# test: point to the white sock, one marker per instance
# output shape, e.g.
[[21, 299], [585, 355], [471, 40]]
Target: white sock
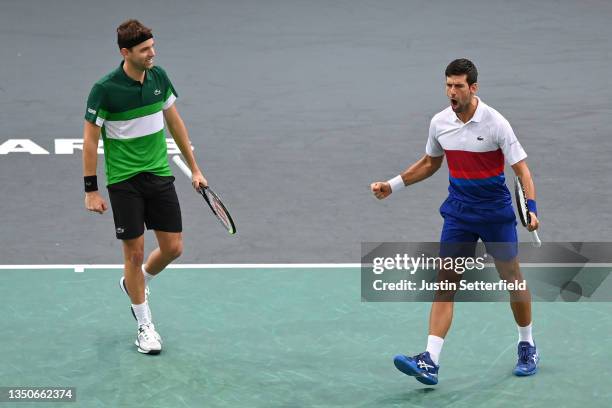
[[525, 334], [143, 313], [434, 346], [147, 275]]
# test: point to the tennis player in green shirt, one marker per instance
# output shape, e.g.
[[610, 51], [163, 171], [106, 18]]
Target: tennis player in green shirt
[[129, 108]]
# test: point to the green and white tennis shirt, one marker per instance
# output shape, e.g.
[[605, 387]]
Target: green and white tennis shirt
[[132, 121]]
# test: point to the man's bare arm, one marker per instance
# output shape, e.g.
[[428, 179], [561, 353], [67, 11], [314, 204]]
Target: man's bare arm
[[91, 136], [522, 171], [422, 169], [425, 167], [181, 137]]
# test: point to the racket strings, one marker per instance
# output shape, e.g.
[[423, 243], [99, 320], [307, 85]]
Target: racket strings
[[219, 210]]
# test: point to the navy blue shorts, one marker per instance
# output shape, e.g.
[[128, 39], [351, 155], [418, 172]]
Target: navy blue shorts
[[459, 238]]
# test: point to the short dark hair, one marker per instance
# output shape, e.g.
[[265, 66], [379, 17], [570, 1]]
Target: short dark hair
[[132, 32], [463, 66]]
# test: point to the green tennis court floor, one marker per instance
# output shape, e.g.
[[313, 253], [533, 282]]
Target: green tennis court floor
[[284, 338]]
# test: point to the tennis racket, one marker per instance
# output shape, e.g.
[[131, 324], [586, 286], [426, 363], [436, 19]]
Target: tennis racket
[[523, 211], [213, 200]]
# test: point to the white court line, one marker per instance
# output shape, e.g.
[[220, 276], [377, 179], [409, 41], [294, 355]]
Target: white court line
[[82, 267]]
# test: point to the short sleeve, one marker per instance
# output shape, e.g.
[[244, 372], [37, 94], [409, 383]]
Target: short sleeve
[[171, 94], [509, 144], [96, 109], [433, 147]]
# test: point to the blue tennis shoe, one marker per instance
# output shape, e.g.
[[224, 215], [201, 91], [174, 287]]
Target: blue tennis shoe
[[419, 366], [527, 360]]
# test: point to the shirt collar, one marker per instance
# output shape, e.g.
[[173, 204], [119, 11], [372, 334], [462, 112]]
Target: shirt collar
[[121, 73], [479, 111], [477, 117]]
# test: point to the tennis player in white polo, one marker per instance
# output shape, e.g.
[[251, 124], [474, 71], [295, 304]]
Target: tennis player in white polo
[[477, 141]]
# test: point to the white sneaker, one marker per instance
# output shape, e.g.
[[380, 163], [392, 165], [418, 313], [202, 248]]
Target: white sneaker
[[148, 340], [157, 336], [124, 289]]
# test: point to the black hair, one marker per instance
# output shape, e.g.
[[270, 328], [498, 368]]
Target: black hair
[[463, 66]]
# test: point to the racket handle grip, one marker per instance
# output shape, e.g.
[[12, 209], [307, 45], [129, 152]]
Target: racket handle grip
[[181, 165], [536, 239]]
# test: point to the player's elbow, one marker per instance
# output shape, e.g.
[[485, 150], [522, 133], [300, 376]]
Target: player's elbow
[[433, 164], [173, 120], [90, 146], [521, 169]]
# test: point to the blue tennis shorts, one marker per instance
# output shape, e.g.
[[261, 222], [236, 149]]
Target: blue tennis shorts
[[459, 238]]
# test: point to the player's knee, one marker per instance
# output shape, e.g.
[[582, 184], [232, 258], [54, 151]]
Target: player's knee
[[135, 257], [509, 272], [177, 250], [174, 250], [509, 276]]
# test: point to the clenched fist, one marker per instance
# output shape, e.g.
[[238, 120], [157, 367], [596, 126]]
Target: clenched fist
[[94, 202], [381, 189]]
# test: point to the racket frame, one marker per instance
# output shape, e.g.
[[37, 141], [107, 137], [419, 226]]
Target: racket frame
[[523, 210], [204, 191]]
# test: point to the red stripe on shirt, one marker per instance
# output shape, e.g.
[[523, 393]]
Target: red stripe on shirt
[[474, 165]]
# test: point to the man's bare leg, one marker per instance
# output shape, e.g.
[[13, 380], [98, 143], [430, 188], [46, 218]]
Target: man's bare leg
[[148, 340], [170, 247], [441, 315], [520, 300], [133, 254]]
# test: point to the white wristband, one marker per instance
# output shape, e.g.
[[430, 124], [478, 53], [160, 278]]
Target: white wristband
[[396, 183]]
